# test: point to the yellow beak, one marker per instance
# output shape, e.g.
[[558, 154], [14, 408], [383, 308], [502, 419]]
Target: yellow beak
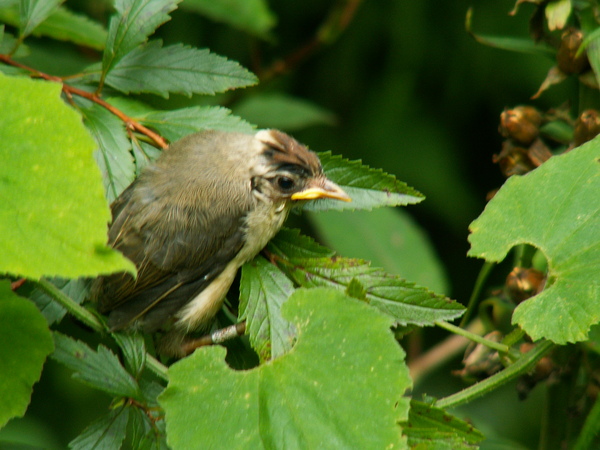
[[322, 188]]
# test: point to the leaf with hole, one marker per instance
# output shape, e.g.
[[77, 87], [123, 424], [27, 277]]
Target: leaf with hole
[[312, 397], [555, 208]]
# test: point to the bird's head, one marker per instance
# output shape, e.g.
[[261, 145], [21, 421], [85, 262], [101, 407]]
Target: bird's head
[[291, 172]]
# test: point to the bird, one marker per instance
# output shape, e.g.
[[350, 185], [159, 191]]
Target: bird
[[207, 205]]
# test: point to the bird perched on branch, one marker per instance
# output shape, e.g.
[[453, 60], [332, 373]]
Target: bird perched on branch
[[209, 203]]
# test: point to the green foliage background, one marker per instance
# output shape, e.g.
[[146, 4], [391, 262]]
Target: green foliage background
[[405, 89]]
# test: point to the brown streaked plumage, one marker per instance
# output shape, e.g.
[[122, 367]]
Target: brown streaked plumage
[[210, 203]]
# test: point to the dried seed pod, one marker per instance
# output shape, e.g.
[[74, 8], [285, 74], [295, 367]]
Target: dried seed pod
[[521, 124], [523, 283], [538, 153], [587, 127], [566, 57], [513, 160]]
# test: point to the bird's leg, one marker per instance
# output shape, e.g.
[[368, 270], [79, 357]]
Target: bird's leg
[[216, 337]]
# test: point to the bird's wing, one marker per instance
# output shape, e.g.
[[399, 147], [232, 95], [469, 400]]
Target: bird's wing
[[175, 261]]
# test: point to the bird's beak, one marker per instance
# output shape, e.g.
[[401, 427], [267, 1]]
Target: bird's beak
[[321, 188]]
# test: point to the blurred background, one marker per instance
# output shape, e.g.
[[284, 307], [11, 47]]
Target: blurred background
[[404, 88]]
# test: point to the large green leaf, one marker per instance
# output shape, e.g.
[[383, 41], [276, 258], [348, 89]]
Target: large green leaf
[[50, 188], [557, 209], [25, 341], [252, 16], [134, 22], [333, 390], [368, 188], [405, 302], [388, 238], [177, 68], [263, 289]]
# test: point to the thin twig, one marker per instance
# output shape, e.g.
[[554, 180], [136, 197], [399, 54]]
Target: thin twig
[[17, 284]]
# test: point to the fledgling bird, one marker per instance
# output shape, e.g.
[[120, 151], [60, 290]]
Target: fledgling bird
[[208, 204]]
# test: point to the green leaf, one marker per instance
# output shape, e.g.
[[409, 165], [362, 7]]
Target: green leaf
[[50, 188], [556, 208], [146, 433], [174, 125], [289, 243], [594, 339], [34, 12], [113, 155], [134, 351], [593, 52], [134, 22], [434, 428], [508, 43], [368, 188], [312, 397], [387, 237], [405, 302], [252, 16], [68, 26], [25, 342], [557, 14], [62, 24], [263, 289], [283, 112], [7, 45], [107, 433], [177, 68], [101, 370]]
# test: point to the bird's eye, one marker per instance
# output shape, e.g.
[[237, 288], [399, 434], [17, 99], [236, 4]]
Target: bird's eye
[[285, 183]]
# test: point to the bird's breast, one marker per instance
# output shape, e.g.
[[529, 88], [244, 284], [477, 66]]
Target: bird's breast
[[262, 224]]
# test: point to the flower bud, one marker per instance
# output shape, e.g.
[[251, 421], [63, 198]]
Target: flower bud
[[513, 160], [524, 283], [566, 56], [521, 124], [587, 127]]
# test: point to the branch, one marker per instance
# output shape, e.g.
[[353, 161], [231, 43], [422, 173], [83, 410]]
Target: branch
[[130, 123]]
